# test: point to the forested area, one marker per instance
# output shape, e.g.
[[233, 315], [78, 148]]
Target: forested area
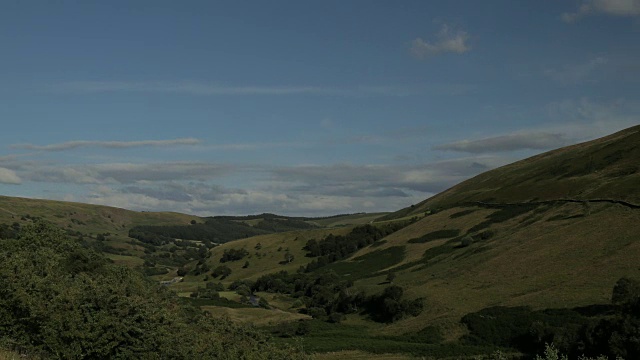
[[337, 247], [612, 330], [60, 300], [326, 296]]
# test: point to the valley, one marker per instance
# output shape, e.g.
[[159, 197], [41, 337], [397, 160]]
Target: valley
[[552, 234]]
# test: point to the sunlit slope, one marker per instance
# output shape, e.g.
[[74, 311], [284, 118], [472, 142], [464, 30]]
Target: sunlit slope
[[561, 255], [85, 218], [607, 168], [501, 238]]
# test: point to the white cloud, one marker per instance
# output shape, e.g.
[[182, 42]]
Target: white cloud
[[8, 176], [609, 7], [107, 144], [447, 41]]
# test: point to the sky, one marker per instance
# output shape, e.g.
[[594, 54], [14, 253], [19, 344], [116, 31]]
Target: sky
[[306, 108]]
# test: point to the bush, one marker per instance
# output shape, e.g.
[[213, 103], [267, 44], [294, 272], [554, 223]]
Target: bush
[[222, 271]]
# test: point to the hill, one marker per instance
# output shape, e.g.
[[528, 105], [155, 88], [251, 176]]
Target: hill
[[132, 237], [605, 168], [555, 231]]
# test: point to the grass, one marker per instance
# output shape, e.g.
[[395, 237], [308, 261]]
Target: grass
[[348, 220], [126, 260], [215, 302], [256, 316], [602, 168], [324, 338], [435, 235], [368, 265], [12, 355]]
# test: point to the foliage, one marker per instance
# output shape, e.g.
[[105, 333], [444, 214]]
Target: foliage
[[327, 297], [215, 230], [389, 306], [233, 255], [435, 235], [69, 302], [505, 212], [333, 248], [223, 271], [220, 229], [625, 291], [612, 331], [461, 213], [275, 225], [327, 337]]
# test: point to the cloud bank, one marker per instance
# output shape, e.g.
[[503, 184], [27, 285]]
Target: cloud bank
[[107, 144]]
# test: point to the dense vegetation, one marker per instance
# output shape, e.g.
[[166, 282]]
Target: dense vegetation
[[214, 230], [326, 296], [612, 330], [336, 247], [61, 300]]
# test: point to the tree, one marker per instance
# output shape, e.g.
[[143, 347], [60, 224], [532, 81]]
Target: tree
[[625, 291], [222, 271], [288, 257]]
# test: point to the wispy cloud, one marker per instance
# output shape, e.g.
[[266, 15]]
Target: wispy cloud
[[447, 41], [107, 144], [388, 180], [577, 73], [609, 7], [125, 173], [511, 142]]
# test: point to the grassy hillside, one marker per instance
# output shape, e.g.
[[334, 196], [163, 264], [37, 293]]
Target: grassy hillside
[[553, 231], [91, 219], [605, 168]]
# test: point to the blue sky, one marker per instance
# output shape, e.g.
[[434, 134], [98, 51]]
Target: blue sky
[[300, 107]]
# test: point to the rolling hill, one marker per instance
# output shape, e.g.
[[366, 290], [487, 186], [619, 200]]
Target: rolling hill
[[553, 231]]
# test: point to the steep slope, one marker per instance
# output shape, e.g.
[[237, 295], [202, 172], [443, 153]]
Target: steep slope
[[605, 168], [554, 230]]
